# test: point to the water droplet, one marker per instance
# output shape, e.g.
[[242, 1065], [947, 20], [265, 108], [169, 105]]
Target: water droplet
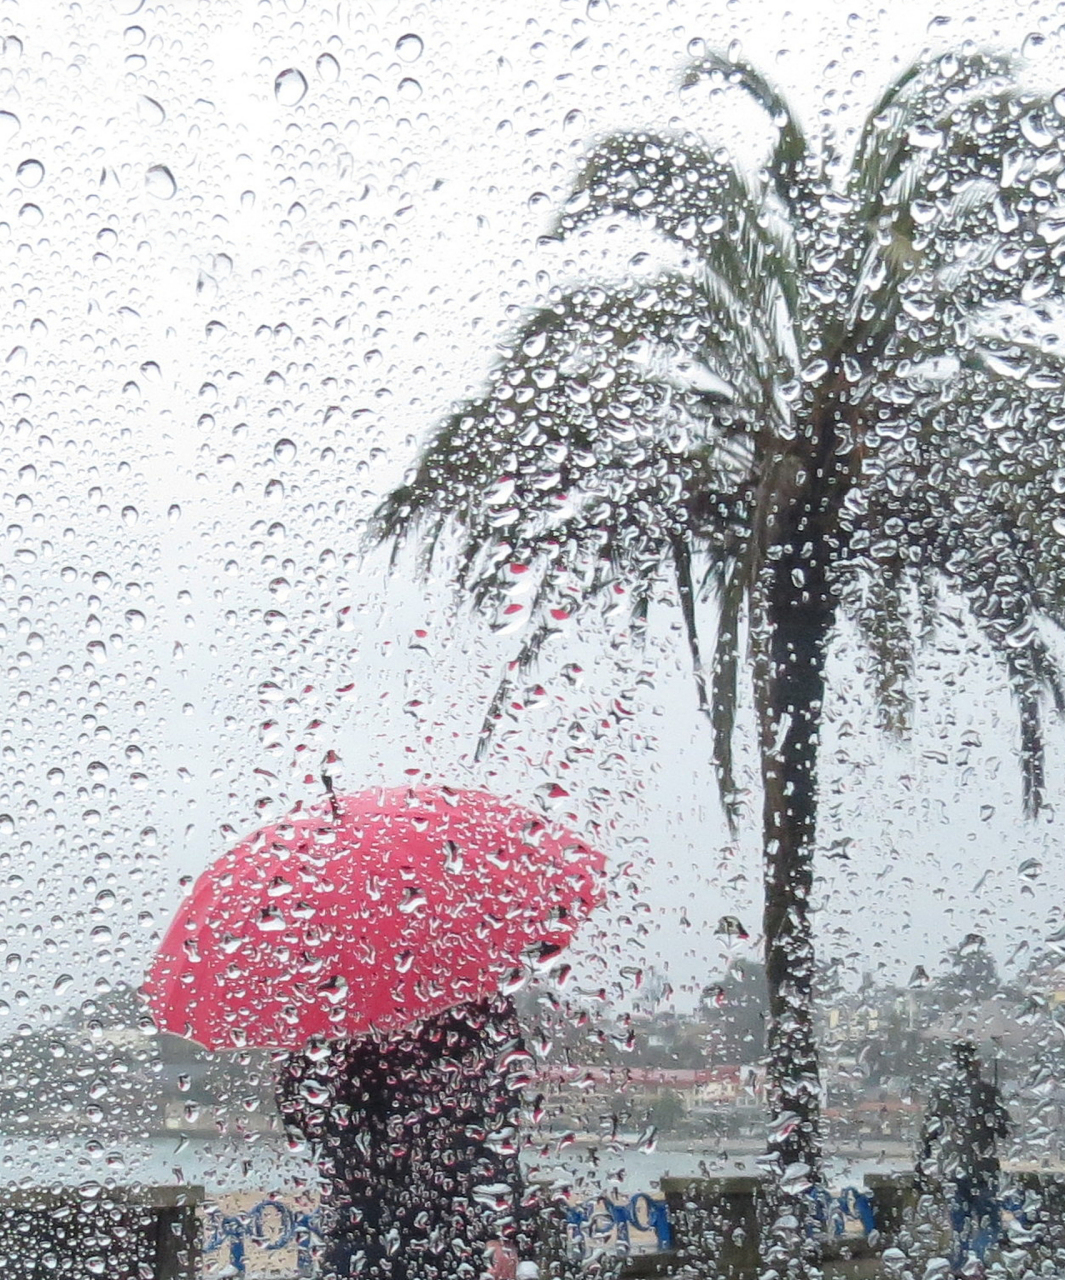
[[9, 125], [328, 68], [597, 10], [409, 47], [335, 990], [135, 619], [31, 215], [130, 516], [150, 111], [173, 512], [30, 173], [796, 1178], [409, 89], [290, 87], [62, 983], [270, 920], [574, 121], [284, 450], [160, 182]]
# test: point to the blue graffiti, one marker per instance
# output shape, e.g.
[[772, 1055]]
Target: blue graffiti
[[604, 1218], [833, 1212], [270, 1226], [597, 1223]]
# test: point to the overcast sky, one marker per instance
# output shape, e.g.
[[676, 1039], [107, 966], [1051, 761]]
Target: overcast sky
[[261, 249]]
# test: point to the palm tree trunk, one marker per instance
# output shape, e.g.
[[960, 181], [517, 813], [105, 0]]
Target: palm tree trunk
[[798, 615]]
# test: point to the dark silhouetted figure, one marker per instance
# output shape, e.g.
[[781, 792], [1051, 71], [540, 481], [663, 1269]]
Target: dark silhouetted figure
[[964, 1123], [416, 1135]]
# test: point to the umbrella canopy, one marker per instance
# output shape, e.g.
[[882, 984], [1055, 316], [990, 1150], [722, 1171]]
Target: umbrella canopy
[[386, 907]]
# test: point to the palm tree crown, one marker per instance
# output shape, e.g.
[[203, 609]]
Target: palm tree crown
[[661, 424]]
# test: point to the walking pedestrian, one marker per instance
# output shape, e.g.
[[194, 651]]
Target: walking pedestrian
[[964, 1123]]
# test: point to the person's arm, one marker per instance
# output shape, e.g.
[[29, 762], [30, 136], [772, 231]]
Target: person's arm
[[931, 1126], [931, 1132], [1001, 1117]]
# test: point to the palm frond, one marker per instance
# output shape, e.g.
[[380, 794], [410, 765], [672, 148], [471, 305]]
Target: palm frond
[[791, 157], [732, 586], [682, 568], [699, 199], [953, 125], [522, 663], [910, 113], [993, 573], [886, 623]]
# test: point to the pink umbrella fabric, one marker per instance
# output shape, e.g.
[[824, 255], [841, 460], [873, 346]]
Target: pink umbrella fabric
[[392, 906]]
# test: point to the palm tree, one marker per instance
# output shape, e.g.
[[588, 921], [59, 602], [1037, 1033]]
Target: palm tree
[[832, 403]]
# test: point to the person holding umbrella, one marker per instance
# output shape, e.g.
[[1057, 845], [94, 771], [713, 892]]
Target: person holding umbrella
[[370, 938]]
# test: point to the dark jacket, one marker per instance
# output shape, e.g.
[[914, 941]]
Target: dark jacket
[[964, 1121], [416, 1135]]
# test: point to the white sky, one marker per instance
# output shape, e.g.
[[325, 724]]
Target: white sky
[[214, 380]]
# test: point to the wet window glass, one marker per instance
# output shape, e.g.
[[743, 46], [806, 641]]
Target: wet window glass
[[533, 585]]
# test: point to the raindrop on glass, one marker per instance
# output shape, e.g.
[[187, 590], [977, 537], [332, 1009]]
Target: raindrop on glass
[[409, 47], [9, 125], [409, 89], [328, 68], [150, 111], [30, 173], [290, 87], [160, 182]]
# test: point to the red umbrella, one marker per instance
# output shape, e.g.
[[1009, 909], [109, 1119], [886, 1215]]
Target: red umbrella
[[390, 906]]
